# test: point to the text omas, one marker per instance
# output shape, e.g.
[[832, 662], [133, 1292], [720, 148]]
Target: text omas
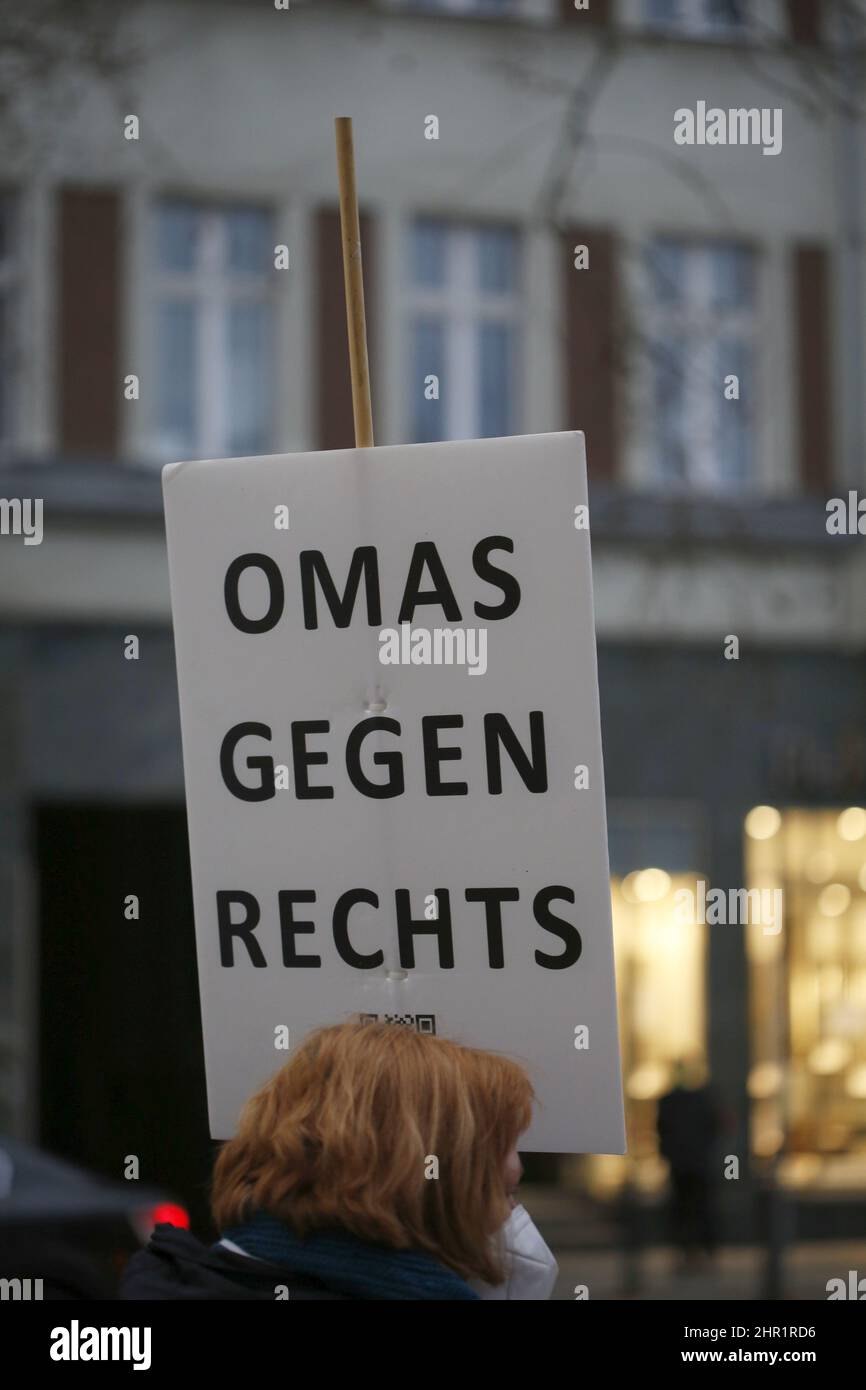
[[240, 751]]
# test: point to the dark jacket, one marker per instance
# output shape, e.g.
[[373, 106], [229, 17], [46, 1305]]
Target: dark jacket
[[688, 1126], [177, 1266]]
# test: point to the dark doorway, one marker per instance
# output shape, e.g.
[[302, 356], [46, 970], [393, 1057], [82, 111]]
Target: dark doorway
[[121, 1064]]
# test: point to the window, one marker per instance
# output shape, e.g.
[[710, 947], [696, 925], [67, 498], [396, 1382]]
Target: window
[[532, 11], [463, 318], [9, 338], [213, 340], [699, 18], [661, 972], [661, 978], [492, 7], [807, 1082], [702, 334]]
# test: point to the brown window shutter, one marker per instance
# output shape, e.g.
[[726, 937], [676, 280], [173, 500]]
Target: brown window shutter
[[89, 322], [598, 12], [336, 427], [591, 346], [804, 21], [814, 367]]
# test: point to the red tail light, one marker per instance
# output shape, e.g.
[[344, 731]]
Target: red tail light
[[172, 1214], [164, 1212]]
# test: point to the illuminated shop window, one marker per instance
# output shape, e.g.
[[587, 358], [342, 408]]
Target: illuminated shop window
[[807, 1081], [661, 987]]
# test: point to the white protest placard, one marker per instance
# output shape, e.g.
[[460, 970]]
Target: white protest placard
[[392, 754]]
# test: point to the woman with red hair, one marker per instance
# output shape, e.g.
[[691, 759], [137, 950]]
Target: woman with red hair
[[378, 1163]]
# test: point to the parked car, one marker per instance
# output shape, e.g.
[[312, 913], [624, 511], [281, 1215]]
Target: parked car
[[66, 1233]]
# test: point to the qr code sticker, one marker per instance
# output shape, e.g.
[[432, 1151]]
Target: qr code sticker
[[422, 1023]]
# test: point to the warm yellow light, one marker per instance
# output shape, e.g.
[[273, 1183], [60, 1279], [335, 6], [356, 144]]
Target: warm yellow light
[[857, 932], [834, 899], [627, 887], [822, 935], [820, 866], [829, 1056], [765, 1080], [661, 978], [801, 1169], [651, 884], [861, 877], [855, 1082], [763, 822], [833, 1136], [769, 1140], [605, 1174], [851, 825], [846, 1018], [649, 1081], [763, 947], [832, 978], [651, 1174]]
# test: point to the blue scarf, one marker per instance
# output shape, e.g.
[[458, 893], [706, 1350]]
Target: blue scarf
[[347, 1264]]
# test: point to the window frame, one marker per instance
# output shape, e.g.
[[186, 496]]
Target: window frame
[[462, 307], [211, 288], [697, 317], [697, 26], [11, 286], [518, 11]]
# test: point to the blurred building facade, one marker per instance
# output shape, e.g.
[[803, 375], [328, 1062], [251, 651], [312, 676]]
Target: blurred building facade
[[536, 241]]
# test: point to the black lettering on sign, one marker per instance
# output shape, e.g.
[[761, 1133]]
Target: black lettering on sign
[[345, 949], [265, 789], [289, 928], [426, 554], [303, 758], [408, 927], [248, 763], [558, 927], [277, 594], [493, 898], [314, 566], [434, 755], [315, 575], [493, 575], [533, 770], [228, 930], [395, 785]]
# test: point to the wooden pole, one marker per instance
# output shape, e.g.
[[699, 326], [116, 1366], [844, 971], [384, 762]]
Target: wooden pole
[[354, 280]]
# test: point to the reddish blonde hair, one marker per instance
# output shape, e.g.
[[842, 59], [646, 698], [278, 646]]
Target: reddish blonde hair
[[341, 1135]]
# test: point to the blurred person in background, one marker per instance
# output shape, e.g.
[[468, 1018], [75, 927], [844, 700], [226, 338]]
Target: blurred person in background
[[378, 1163], [689, 1123]]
